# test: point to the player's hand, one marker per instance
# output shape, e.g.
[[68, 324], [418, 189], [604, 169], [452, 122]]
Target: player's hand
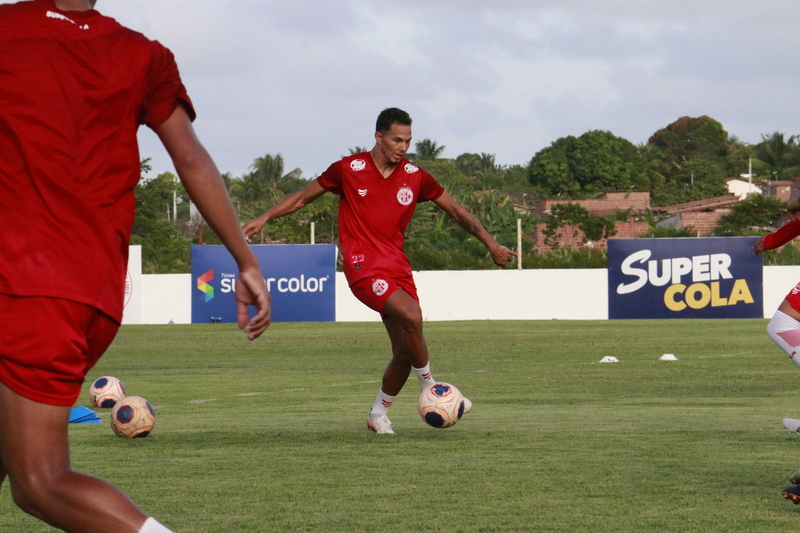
[[252, 290], [251, 227], [758, 247], [502, 255]]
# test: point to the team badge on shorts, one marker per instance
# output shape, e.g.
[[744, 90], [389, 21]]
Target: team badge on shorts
[[379, 287], [405, 196], [358, 164]]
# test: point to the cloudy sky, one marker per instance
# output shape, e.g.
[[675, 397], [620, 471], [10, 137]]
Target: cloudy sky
[[306, 78]]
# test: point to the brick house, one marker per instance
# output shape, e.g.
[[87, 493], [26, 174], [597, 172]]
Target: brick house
[[637, 201], [700, 217], [780, 189], [571, 237]]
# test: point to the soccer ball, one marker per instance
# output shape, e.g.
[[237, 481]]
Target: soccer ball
[[133, 417], [441, 405], [106, 391]]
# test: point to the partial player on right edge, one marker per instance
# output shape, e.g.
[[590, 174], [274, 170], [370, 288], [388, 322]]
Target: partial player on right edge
[[784, 328]]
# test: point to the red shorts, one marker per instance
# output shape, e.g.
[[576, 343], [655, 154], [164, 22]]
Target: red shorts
[[373, 292], [794, 298], [48, 345]]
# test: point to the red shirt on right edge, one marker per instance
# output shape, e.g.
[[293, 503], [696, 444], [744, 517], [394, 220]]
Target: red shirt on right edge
[[784, 234], [374, 212]]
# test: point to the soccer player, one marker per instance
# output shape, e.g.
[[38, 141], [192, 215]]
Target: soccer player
[[74, 88], [378, 191], [784, 328]]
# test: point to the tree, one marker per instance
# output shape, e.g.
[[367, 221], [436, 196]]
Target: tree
[[691, 181], [698, 139], [164, 249], [689, 160], [585, 166], [750, 216], [357, 150], [593, 228], [428, 150], [776, 156], [263, 187]]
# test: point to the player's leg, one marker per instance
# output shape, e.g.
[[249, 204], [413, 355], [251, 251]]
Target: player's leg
[[35, 451], [41, 373], [784, 330], [403, 322]]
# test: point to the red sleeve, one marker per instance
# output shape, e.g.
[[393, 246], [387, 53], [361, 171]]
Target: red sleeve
[[429, 188], [784, 234], [331, 179], [164, 90]]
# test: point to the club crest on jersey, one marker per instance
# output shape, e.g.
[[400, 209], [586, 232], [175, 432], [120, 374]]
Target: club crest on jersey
[[379, 286], [405, 195], [409, 168], [358, 164]]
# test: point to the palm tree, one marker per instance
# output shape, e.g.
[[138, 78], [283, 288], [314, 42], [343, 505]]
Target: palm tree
[[261, 188], [428, 150], [777, 156]]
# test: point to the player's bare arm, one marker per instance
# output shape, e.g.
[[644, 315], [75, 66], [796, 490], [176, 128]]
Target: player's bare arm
[[203, 182], [288, 205], [500, 254]]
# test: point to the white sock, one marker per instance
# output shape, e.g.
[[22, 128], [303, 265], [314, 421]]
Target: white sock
[[424, 376], [151, 525], [785, 332], [382, 403]]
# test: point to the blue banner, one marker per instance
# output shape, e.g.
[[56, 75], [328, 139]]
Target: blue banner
[[715, 277], [300, 277]]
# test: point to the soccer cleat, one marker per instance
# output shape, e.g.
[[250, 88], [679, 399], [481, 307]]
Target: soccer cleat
[[792, 424], [792, 493], [467, 406], [379, 424]]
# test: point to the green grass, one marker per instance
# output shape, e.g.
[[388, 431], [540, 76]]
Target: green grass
[[269, 436]]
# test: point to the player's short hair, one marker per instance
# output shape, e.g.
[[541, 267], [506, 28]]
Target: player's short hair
[[389, 116]]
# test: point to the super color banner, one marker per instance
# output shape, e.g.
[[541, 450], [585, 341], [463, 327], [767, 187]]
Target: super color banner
[[301, 279], [715, 277]]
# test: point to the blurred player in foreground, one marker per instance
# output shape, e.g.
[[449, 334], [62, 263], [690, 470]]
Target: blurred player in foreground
[[379, 190], [74, 88], [784, 328]]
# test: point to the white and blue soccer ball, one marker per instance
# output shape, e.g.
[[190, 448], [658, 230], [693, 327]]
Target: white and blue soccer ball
[[133, 417], [106, 392], [441, 405]]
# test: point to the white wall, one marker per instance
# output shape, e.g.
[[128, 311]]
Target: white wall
[[464, 295]]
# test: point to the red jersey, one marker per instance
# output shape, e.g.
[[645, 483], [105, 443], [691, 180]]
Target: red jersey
[[374, 212], [74, 88]]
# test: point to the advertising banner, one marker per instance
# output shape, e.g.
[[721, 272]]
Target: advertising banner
[[715, 277], [300, 277]]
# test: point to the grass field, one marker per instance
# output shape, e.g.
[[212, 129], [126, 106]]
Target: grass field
[[269, 436]]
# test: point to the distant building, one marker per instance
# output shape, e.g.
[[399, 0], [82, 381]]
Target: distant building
[[638, 202], [742, 188], [699, 217], [780, 190], [571, 237]]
